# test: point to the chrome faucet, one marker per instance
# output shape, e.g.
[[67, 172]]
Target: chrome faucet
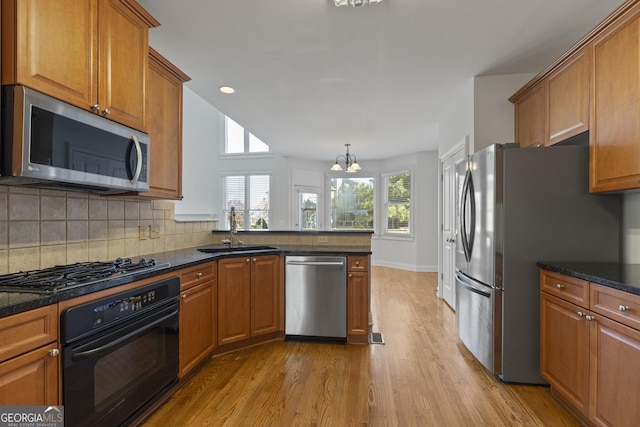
[[233, 227]]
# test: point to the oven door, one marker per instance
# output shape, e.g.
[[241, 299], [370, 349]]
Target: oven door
[[110, 378]]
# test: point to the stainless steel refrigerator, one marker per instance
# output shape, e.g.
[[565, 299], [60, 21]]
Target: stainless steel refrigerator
[[518, 206]]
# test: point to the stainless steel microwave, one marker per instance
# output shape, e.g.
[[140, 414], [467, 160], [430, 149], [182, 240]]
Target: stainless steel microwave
[[49, 143]]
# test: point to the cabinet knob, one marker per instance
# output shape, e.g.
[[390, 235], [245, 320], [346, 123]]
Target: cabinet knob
[[589, 318], [54, 352], [623, 308], [106, 112], [580, 314], [357, 263], [198, 275], [350, 275], [248, 260], [559, 286], [95, 107], [183, 296]]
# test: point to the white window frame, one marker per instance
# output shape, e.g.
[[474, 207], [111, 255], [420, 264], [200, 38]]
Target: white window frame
[[384, 206], [223, 182], [327, 197], [246, 153]]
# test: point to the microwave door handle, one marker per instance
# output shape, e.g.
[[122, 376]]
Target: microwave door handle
[[139, 162]]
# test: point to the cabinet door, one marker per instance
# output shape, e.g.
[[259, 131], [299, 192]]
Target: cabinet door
[[164, 122], [265, 295], [358, 306], [564, 350], [568, 99], [50, 46], [30, 379], [530, 116], [197, 325], [615, 117], [123, 47], [615, 373], [234, 300]]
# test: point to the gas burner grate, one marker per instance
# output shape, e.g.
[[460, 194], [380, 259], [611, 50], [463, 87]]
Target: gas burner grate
[[60, 277]]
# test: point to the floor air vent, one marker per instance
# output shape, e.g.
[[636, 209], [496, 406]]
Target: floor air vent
[[376, 338]]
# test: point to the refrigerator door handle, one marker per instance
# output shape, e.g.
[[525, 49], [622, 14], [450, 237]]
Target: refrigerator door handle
[[468, 229], [474, 286]]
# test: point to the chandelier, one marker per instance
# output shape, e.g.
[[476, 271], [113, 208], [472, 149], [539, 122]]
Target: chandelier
[[339, 3], [350, 163]]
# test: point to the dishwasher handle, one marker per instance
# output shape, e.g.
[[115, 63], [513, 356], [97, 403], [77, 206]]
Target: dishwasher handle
[[319, 263]]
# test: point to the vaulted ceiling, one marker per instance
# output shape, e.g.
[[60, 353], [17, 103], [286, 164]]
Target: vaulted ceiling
[[310, 77]]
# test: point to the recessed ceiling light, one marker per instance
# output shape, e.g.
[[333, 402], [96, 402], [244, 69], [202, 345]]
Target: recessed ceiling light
[[227, 89]]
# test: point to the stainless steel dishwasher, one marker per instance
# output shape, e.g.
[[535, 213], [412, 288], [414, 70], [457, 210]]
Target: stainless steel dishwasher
[[316, 298]]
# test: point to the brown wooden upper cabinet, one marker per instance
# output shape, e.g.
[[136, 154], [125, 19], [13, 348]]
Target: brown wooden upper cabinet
[[92, 54], [594, 86], [615, 131], [556, 107], [164, 122]]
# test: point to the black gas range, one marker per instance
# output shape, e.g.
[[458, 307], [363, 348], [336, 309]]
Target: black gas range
[[64, 277]]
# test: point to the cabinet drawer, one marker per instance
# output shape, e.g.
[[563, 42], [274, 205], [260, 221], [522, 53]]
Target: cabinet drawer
[[192, 276], [565, 287], [617, 305], [358, 263], [26, 331]]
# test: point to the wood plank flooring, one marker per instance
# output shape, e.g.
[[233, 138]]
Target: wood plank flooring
[[422, 376]]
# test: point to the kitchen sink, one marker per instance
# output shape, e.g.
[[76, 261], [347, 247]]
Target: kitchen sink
[[227, 249]]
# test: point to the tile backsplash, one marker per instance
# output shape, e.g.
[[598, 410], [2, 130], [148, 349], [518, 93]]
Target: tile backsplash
[[41, 228]]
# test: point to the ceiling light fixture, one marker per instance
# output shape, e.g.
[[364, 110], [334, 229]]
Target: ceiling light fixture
[[350, 163], [227, 89], [354, 3]]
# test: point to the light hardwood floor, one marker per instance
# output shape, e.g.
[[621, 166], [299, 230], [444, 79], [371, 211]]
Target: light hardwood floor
[[422, 376]]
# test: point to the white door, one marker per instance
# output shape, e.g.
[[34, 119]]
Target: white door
[[308, 208], [449, 196]]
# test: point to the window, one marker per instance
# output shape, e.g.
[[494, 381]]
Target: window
[[240, 141], [398, 203], [352, 203], [249, 195]]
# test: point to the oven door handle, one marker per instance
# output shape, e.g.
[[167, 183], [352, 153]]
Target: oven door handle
[[115, 343]]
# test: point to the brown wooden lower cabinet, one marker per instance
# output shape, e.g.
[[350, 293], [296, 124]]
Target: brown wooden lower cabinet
[[592, 361], [248, 297], [358, 299], [29, 358], [197, 316]]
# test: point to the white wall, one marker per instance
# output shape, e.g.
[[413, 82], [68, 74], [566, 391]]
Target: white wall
[[630, 235], [493, 113], [201, 132]]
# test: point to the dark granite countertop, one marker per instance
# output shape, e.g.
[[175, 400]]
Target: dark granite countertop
[[16, 302], [625, 277]]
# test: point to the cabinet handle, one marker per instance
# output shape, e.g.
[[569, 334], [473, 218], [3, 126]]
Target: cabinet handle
[[54, 352], [559, 286], [183, 296], [198, 275], [350, 275], [248, 260], [580, 314], [357, 263], [95, 107], [623, 308], [106, 112], [589, 318]]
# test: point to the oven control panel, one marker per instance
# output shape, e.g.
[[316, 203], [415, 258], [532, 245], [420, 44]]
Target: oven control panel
[[119, 308], [80, 320]]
